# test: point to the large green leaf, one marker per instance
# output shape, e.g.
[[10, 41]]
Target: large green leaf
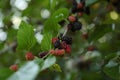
[[26, 72], [46, 42], [30, 70], [25, 37], [51, 26]]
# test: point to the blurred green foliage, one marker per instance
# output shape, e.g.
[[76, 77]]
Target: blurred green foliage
[[103, 31]]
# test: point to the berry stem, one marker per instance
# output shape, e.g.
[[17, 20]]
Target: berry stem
[[65, 32], [46, 55]]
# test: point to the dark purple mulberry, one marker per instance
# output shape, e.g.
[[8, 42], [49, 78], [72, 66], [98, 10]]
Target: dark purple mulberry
[[67, 39], [57, 44], [41, 55]]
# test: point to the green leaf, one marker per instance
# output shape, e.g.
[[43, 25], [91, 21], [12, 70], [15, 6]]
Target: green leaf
[[25, 37], [30, 70], [113, 72], [46, 42], [100, 31], [60, 14], [7, 72], [11, 34], [51, 25], [90, 2], [27, 72], [56, 67], [110, 56], [111, 67], [49, 62], [1, 46], [52, 4]]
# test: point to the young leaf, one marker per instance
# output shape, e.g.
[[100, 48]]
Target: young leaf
[[56, 67], [25, 37], [51, 25], [60, 14]]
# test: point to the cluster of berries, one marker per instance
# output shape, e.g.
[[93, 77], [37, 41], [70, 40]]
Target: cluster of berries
[[74, 24], [79, 8], [61, 45]]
